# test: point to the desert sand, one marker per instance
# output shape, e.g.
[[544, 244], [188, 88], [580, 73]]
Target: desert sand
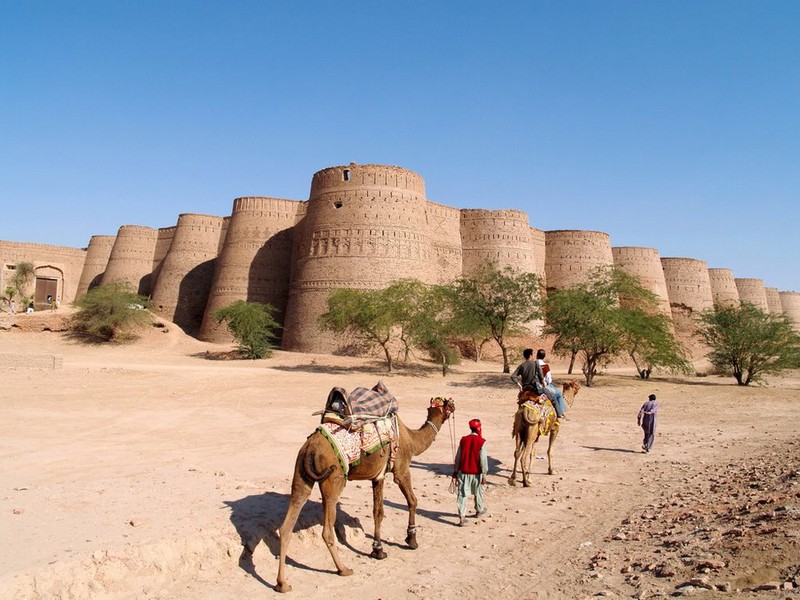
[[139, 470]]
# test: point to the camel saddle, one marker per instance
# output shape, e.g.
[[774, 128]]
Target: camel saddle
[[362, 405], [539, 414]]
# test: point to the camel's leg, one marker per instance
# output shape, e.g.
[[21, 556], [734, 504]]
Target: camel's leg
[[517, 448], [404, 482], [529, 454], [301, 490], [331, 489], [553, 436], [377, 518]]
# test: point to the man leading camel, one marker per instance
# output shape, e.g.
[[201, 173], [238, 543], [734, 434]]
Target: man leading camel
[[471, 466]]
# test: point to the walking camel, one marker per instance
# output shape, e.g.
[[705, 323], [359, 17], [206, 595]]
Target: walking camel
[[527, 431], [317, 463]]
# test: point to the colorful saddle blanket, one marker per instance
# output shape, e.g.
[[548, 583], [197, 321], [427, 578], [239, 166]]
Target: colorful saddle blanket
[[349, 445], [539, 413], [361, 406]]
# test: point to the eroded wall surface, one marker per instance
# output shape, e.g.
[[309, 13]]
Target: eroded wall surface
[[723, 287]]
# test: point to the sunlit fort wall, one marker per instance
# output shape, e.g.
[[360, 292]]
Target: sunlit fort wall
[[571, 255], [97, 255], [723, 288], [254, 262], [790, 302], [752, 291], [774, 300], [500, 236], [56, 269], [131, 259], [363, 226], [180, 293], [645, 264], [688, 284]]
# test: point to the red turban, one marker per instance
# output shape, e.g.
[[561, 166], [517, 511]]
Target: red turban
[[476, 425]]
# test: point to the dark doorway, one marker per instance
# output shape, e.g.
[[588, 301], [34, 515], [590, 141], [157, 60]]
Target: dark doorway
[[45, 287]]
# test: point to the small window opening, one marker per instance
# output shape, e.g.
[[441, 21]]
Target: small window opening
[[346, 173], [338, 204]]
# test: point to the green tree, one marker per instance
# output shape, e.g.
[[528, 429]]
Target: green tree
[[368, 316], [110, 312], [749, 343], [500, 301], [610, 315], [430, 325], [253, 326], [19, 283]]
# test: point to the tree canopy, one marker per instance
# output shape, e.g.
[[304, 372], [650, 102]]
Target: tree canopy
[[610, 315], [110, 312], [749, 343], [501, 302], [253, 326]]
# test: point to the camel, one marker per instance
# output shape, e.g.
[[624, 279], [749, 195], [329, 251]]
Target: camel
[[317, 463], [526, 435]]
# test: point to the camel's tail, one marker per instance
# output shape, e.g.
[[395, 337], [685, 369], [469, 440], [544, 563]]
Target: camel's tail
[[310, 472]]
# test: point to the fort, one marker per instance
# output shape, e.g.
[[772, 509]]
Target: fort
[[362, 226]]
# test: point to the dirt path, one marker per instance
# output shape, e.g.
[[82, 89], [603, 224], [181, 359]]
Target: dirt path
[[136, 472]]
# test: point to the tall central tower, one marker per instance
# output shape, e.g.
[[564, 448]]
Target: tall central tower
[[366, 225]]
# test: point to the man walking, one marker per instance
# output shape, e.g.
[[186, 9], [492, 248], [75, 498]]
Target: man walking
[[471, 466], [647, 420]]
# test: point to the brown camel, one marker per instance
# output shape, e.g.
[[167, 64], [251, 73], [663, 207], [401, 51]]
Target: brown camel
[[526, 435], [317, 463]]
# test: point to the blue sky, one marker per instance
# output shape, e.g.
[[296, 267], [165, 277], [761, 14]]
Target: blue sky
[[667, 124]]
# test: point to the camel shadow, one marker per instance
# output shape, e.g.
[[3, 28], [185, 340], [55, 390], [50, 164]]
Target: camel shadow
[[601, 449], [447, 468], [257, 518]]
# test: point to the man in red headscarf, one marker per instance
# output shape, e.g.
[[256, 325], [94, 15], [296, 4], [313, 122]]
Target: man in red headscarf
[[470, 470]]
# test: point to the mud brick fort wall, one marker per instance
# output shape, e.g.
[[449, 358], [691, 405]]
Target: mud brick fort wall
[[363, 226]]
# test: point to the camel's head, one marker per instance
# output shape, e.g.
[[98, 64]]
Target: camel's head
[[447, 406]]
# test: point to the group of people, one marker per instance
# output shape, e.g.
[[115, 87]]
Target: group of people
[[12, 307], [471, 464]]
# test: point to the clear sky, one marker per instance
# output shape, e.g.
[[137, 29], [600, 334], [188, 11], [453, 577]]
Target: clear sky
[[668, 124]]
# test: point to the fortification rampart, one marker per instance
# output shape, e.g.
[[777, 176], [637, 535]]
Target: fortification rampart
[[254, 264], [444, 223], [790, 302], [131, 259], [57, 269], [365, 226], [571, 255], [773, 300], [184, 278], [645, 264], [688, 284], [723, 287], [752, 291], [97, 255], [500, 236]]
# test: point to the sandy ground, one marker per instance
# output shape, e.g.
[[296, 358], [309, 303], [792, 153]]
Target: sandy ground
[[137, 471]]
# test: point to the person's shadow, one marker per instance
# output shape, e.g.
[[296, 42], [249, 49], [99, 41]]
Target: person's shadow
[[258, 517]]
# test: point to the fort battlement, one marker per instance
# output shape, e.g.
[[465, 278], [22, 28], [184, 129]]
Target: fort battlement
[[645, 264], [571, 255], [723, 287], [752, 291], [363, 226]]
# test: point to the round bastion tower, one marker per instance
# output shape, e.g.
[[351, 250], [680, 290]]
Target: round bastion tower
[[774, 301], [253, 264], [365, 226], [184, 277], [131, 259], [723, 288], [572, 254], [688, 284], [500, 236], [752, 291], [645, 264], [97, 255], [790, 301]]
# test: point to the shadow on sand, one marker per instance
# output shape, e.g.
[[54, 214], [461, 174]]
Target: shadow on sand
[[258, 517], [601, 449]]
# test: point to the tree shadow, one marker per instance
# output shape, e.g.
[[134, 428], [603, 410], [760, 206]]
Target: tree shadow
[[257, 518], [369, 366], [601, 449], [487, 380]]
